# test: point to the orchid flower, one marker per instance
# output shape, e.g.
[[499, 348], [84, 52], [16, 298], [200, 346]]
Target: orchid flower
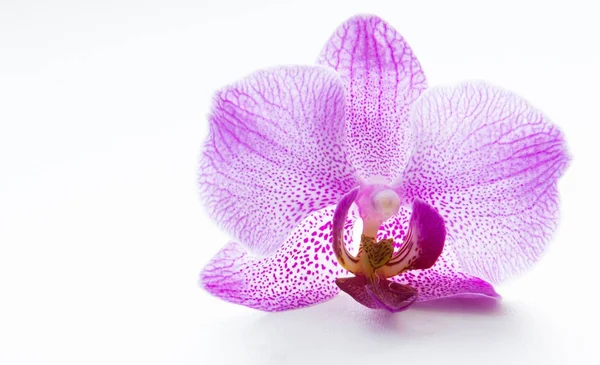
[[455, 187]]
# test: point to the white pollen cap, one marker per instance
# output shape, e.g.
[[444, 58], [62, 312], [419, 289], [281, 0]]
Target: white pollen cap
[[386, 203]]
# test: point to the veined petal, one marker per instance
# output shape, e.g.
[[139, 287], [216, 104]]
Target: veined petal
[[275, 153], [301, 272], [489, 162], [445, 278], [382, 77], [340, 219]]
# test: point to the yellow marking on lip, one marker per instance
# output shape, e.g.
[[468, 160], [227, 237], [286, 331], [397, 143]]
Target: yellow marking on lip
[[377, 253]]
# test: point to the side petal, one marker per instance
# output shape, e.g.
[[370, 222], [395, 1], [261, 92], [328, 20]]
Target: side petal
[[382, 77], [423, 243], [300, 273], [275, 153], [489, 162], [444, 280], [340, 219]]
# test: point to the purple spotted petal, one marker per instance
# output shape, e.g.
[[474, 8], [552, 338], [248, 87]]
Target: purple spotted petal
[[340, 219], [301, 272], [428, 233], [275, 153], [489, 162], [382, 78], [444, 279]]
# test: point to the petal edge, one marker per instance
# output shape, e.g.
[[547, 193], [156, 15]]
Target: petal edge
[[489, 162], [275, 153]]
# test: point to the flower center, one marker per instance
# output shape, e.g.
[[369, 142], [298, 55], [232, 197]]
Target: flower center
[[374, 255], [376, 261], [376, 204]]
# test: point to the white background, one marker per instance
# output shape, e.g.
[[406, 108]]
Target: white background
[[102, 115]]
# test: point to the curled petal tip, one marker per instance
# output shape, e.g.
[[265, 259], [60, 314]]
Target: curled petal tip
[[382, 294], [392, 296]]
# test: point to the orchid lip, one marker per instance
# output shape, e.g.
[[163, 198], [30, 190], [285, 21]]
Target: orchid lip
[[376, 260]]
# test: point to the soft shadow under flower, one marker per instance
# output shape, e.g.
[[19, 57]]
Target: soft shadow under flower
[[342, 331]]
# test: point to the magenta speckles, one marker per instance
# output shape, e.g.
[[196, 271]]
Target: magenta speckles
[[382, 78], [275, 153], [472, 164], [490, 162], [299, 273]]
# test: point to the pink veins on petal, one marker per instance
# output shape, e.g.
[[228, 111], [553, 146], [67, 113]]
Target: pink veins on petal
[[275, 153], [456, 186], [382, 78]]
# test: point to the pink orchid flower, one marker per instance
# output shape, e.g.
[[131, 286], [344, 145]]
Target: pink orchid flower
[[456, 187]]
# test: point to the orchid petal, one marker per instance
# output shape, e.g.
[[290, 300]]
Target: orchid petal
[[445, 278], [300, 273], [356, 287], [489, 162], [340, 219], [275, 153], [382, 77], [423, 243]]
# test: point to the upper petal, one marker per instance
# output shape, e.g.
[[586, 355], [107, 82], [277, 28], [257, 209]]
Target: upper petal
[[382, 77], [489, 162], [301, 272], [276, 151]]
